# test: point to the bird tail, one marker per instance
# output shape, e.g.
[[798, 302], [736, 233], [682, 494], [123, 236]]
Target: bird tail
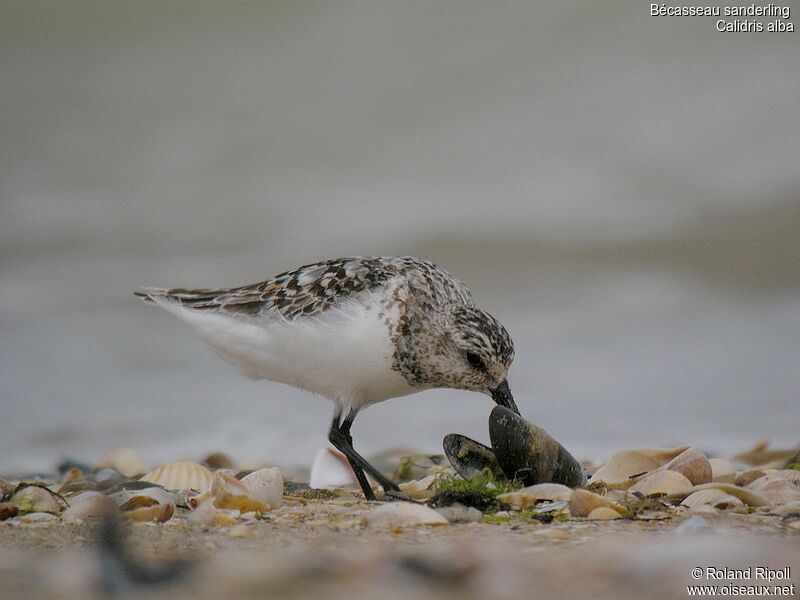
[[198, 299]]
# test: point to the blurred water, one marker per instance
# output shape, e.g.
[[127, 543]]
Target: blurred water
[[620, 190]]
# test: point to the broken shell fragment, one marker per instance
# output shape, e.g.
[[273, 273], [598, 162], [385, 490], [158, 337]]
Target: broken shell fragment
[[397, 515], [208, 514], [265, 485], [603, 513], [124, 460], [660, 483], [583, 502], [89, 506], [624, 465], [691, 463], [528, 453], [35, 498], [529, 496], [232, 494], [182, 475], [419, 489], [144, 509], [469, 458], [713, 497]]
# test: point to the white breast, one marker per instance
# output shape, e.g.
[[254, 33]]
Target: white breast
[[345, 354]]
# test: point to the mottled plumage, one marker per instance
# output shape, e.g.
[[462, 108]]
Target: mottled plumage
[[356, 330]]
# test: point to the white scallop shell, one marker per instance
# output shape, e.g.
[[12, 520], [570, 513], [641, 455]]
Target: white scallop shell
[[419, 489], [183, 475]]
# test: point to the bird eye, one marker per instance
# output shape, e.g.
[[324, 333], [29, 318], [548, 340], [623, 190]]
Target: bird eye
[[474, 360]]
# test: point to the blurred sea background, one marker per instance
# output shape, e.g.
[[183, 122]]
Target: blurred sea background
[[621, 190]]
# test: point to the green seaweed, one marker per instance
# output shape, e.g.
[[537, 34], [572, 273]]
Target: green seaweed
[[795, 466], [479, 492]]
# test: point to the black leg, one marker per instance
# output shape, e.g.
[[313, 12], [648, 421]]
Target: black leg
[[340, 437], [359, 472]]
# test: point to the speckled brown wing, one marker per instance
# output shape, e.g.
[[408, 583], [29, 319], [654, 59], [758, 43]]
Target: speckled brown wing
[[314, 288]]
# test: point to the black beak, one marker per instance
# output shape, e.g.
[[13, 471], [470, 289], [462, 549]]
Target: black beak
[[502, 396]]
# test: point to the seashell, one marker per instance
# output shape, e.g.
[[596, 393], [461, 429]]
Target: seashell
[[183, 475], [265, 485], [208, 514], [528, 453], [722, 470], [775, 489], [747, 496], [713, 497], [232, 494], [89, 506], [126, 461], [151, 504], [72, 475], [406, 465], [624, 465], [35, 518], [144, 509], [160, 495], [6, 488], [660, 483], [583, 502], [75, 487], [397, 515], [691, 463], [419, 489], [789, 475], [469, 458], [787, 509], [603, 513], [8, 510], [529, 496], [748, 477], [704, 509], [35, 499], [108, 477], [331, 469]]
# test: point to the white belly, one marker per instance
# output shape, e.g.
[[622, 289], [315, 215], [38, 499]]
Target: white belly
[[345, 354]]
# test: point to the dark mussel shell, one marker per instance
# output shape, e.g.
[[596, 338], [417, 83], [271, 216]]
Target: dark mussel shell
[[469, 457], [527, 453]]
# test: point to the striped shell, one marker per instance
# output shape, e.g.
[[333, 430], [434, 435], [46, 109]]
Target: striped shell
[[183, 475]]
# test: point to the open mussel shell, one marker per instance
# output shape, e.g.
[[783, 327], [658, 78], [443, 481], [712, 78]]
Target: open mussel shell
[[469, 457], [527, 453]]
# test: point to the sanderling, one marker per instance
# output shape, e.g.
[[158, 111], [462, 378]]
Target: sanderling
[[356, 330]]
